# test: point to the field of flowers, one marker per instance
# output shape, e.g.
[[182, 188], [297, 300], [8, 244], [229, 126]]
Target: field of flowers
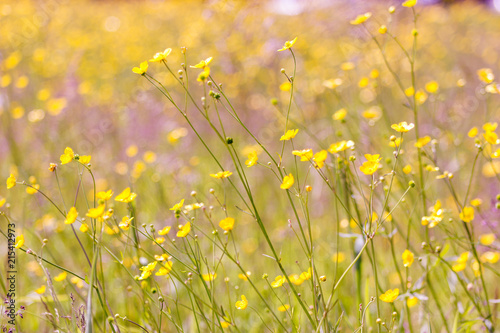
[[232, 166]]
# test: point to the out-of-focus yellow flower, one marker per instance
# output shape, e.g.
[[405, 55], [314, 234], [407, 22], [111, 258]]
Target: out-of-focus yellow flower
[[461, 262], [283, 308], [11, 181], [407, 258], [67, 156], [209, 276], [285, 86], [390, 295], [178, 205], [184, 230], [382, 29], [332, 83], [467, 214], [290, 134], [295, 279], [420, 97], [338, 257], [203, 63], [19, 241], [204, 74], [410, 91], [304, 154], [487, 239], [252, 159], [288, 44], [287, 182], [164, 231], [339, 114], [71, 216], [436, 216], [490, 257], [476, 202], [41, 290], [340, 146], [361, 18], [227, 224], [142, 69], [472, 132], [306, 275], [84, 228], [278, 281], [165, 269], [491, 137], [363, 82], [242, 304], [411, 302], [2, 202], [125, 222], [221, 174], [104, 195], [371, 165], [409, 3], [60, 277], [126, 196], [161, 56], [245, 276], [485, 75], [407, 169], [432, 87], [423, 141], [96, 212], [347, 66], [320, 158], [402, 127]]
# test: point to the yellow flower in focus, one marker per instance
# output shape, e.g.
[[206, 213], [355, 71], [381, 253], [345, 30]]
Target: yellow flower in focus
[[41, 290], [411, 301], [371, 165], [487, 239], [278, 281], [290, 134], [202, 64], [252, 159], [242, 305], [95, 213], [287, 182], [402, 127], [221, 174], [84, 159], [11, 181], [164, 231], [340, 114], [209, 276], [19, 241], [161, 56], [407, 258], [283, 308], [423, 141], [71, 216], [178, 205], [126, 196], [320, 158], [409, 3], [361, 19], [473, 132], [304, 154], [142, 69], [467, 214], [184, 230], [485, 75], [227, 224], [288, 44], [60, 277], [67, 156], [390, 295]]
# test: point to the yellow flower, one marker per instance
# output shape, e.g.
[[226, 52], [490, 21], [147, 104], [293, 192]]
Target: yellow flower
[[278, 281], [67, 156], [202, 64], [285, 86], [283, 308], [245, 276], [304, 154], [490, 127], [52, 167], [287, 182], [295, 279], [410, 91], [165, 269], [204, 74], [305, 275], [421, 142], [104, 195], [491, 137], [320, 158], [288, 44], [142, 69], [126, 196], [221, 174], [161, 56], [178, 205], [332, 83], [361, 19], [461, 262], [225, 324], [209, 276], [476, 202], [407, 169], [96, 212], [19, 241], [184, 230], [84, 228], [340, 114], [435, 217], [340, 146], [338, 257], [290, 134], [84, 159], [125, 222], [11, 181], [41, 290], [371, 165], [409, 3], [382, 30], [432, 87], [389, 296], [227, 224], [487, 239], [472, 133], [490, 257], [2, 202], [411, 301], [71, 216], [164, 231], [402, 127], [252, 159], [486, 75], [467, 214], [407, 258], [242, 305], [60, 277]]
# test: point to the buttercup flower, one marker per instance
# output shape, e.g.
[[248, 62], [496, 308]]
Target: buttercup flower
[[67, 156], [11, 181], [242, 305], [161, 56], [407, 258], [221, 174], [19, 241], [390, 295], [409, 3], [184, 230], [227, 224], [402, 127], [287, 182], [467, 214], [288, 44], [202, 64], [290, 134], [126, 196], [142, 69], [361, 19], [71, 216]]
